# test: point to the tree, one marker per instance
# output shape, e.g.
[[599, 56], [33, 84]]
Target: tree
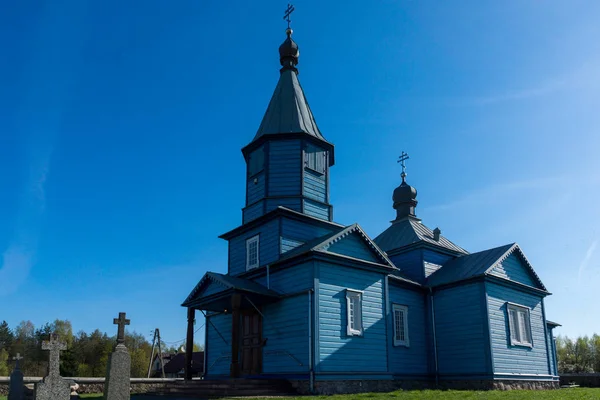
[[3, 362], [6, 336]]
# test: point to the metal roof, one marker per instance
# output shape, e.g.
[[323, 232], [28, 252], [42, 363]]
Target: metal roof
[[408, 231], [288, 110], [477, 264]]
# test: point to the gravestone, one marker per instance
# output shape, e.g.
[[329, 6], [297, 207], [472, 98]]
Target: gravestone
[[16, 389], [53, 387], [117, 385]]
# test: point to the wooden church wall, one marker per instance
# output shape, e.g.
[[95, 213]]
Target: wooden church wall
[[516, 359], [551, 352], [268, 247], [410, 264], [353, 246], [461, 330], [335, 350], [316, 209], [411, 360], [315, 185], [256, 188], [284, 168], [218, 356], [513, 269]]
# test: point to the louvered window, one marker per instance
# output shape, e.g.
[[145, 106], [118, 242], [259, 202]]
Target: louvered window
[[252, 252], [400, 325], [256, 161], [354, 313], [520, 325], [315, 159]]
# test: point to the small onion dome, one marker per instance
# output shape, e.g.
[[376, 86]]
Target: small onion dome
[[405, 200], [288, 52]]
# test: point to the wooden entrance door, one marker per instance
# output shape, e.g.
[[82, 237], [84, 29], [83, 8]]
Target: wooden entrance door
[[251, 343]]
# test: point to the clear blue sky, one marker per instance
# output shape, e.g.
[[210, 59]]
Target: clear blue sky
[[121, 126]]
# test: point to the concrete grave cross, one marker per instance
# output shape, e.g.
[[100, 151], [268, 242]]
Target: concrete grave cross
[[16, 359], [55, 347], [121, 321]]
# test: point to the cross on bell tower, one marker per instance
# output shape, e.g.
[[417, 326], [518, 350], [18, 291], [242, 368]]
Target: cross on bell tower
[[288, 12]]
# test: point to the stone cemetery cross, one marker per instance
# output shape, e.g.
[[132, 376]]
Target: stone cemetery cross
[[55, 347], [121, 321]]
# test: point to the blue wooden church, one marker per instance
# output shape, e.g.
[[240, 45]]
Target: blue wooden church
[[333, 310]]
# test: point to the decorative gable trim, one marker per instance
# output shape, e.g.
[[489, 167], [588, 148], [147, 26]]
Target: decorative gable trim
[[355, 228], [515, 248], [206, 279]]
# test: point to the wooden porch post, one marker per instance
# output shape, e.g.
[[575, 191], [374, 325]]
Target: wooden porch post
[[189, 343], [234, 369]]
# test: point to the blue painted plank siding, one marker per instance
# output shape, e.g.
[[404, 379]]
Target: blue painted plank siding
[[285, 327], [290, 280], [338, 352], [291, 203], [316, 209], [436, 258], [289, 244], [461, 331], [304, 231], [256, 188], [516, 359], [252, 212], [315, 185], [285, 167], [513, 269], [353, 246], [219, 353], [211, 288], [268, 247], [413, 359], [430, 268], [410, 264]]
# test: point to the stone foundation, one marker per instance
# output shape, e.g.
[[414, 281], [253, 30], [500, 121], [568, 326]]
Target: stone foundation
[[365, 386], [96, 385]]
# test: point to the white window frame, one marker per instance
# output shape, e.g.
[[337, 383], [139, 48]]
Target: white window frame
[[354, 317], [397, 308], [519, 330], [250, 242]]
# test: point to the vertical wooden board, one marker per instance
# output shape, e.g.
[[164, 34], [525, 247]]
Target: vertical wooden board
[[285, 167], [516, 359], [413, 359], [514, 269], [268, 247], [285, 328], [551, 354], [339, 352], [353, 245], [461, 330], [219, 356]]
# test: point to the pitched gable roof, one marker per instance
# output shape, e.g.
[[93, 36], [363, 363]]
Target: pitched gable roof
[[324, 244], [228, 282], [411, 230], [479, 264]]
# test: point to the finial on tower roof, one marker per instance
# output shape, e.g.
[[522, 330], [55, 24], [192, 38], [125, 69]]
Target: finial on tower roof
[[288, 51], [403, 157]]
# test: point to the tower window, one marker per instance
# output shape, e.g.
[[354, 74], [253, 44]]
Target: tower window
[[252, 253], [315, 159], [256, 161]]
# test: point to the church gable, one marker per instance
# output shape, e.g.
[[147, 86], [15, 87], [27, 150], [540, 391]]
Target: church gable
[[354, 242], [516, 268]]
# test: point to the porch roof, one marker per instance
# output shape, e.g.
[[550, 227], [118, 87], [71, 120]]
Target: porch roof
[[213, 293]]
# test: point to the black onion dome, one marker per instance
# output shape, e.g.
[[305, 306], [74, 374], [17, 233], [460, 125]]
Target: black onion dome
[[288, 51], [404, 194]]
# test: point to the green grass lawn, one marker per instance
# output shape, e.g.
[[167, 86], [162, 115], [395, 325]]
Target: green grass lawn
[[563, 394]]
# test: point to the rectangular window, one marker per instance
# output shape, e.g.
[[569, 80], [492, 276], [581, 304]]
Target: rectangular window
[[315, 159], [520, 325], [400, 325], [354, 311], [252, 252]]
